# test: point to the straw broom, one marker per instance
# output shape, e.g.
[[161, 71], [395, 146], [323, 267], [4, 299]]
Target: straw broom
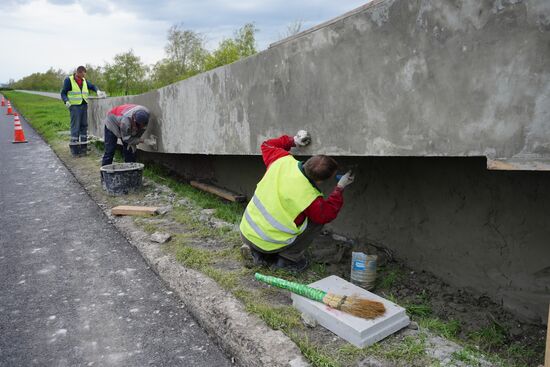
[[357, 306]]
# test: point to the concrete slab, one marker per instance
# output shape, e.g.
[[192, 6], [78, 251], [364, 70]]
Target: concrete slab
[[357, 331]]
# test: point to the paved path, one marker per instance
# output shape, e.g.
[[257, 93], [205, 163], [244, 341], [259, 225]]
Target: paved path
[[45, 94], [73, 291]]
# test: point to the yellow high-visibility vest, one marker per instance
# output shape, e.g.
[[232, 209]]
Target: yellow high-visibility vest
[[282, 194], [75, 95]]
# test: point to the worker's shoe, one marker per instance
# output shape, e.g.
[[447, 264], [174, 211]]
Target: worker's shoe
[[292, 266], [252, 257], [75, 149], [83, 149]]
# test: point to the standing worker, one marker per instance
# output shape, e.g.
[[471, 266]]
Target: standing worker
[[288, 210], [126, 122], [75, 94]]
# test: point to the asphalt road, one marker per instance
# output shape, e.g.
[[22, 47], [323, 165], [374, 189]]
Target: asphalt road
[[45, 94], [73, 291]]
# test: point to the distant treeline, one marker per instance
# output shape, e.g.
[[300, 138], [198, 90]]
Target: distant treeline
[[126, 74]]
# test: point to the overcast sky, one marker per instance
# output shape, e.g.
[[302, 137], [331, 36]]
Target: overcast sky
[[39, 34]]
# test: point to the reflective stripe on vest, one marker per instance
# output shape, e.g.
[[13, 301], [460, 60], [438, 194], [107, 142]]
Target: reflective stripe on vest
[[75, 95], [282, 194]]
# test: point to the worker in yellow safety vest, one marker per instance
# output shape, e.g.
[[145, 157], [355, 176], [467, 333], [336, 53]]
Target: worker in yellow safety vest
[[288, 209], [75, 93]]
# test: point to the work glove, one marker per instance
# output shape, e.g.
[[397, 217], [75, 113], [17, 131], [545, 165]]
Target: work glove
[[132, 148], [151, 141], [302, 138], [101, 94], [68, 104], [346, 180]]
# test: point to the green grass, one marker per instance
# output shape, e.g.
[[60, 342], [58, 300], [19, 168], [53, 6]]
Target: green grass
[[447, 329], [489, 337], [467, 356], [48, 116], [388, 280], [313, 353], [421, 310], [410, 349], [194, 257]]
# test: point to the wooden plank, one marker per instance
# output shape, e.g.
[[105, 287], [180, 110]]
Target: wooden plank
[[517, 165], [134, 210], [547, 354], [228, 195]]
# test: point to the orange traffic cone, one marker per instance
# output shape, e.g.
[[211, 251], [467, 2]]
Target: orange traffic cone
[[3, 101], [18, 134], [10, 111]]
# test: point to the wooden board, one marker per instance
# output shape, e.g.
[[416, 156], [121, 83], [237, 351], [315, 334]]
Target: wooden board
[[228, 195], [517, 165], [134, 210]]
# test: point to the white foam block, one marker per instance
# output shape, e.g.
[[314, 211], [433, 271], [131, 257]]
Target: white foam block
[[357, 331]]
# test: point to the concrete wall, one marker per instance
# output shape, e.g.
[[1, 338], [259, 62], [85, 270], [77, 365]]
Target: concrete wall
[[398, 80]]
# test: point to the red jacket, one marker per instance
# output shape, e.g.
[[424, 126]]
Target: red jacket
[[320, 211]]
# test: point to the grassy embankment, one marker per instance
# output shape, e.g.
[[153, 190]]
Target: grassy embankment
[[50, 118]]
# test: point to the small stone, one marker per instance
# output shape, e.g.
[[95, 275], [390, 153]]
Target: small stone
[[413, 325], [337, 237], [218, 223], [308, 320], [160, 237], [184, 202], [516, 331], [165, 209]]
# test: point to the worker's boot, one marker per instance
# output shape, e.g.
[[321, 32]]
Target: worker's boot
[[83, 149], [292, 266], [83, 145], [252, 257], [74, 146]]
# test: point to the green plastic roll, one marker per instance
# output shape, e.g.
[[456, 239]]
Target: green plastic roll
[[301, 289]]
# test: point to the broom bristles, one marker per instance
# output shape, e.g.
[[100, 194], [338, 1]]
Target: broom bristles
[[355, 305]]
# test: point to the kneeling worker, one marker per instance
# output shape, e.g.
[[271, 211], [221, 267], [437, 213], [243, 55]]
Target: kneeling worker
[[126, 122], [288, 209]]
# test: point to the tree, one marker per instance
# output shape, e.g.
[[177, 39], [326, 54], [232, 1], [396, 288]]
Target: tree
[[245, 38], [185, 49], [51, 80], [126, 74], [95, 75], [292, 29], [231, 50], [164, 72]]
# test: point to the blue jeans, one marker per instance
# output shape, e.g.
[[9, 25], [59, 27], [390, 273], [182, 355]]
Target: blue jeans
[[79, 123], [110, 148]]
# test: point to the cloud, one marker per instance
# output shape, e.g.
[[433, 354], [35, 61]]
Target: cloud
[[63, 34]]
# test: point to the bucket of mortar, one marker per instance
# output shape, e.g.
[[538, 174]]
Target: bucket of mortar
[[121, 178], [363, 269]]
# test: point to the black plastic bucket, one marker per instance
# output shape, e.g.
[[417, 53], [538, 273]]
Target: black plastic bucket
[[121, 178]]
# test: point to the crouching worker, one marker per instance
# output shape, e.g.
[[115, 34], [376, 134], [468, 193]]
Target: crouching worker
[[288, 210], [126, 122]]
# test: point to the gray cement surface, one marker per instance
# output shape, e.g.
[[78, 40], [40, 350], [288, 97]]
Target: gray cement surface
[[73, 291]]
